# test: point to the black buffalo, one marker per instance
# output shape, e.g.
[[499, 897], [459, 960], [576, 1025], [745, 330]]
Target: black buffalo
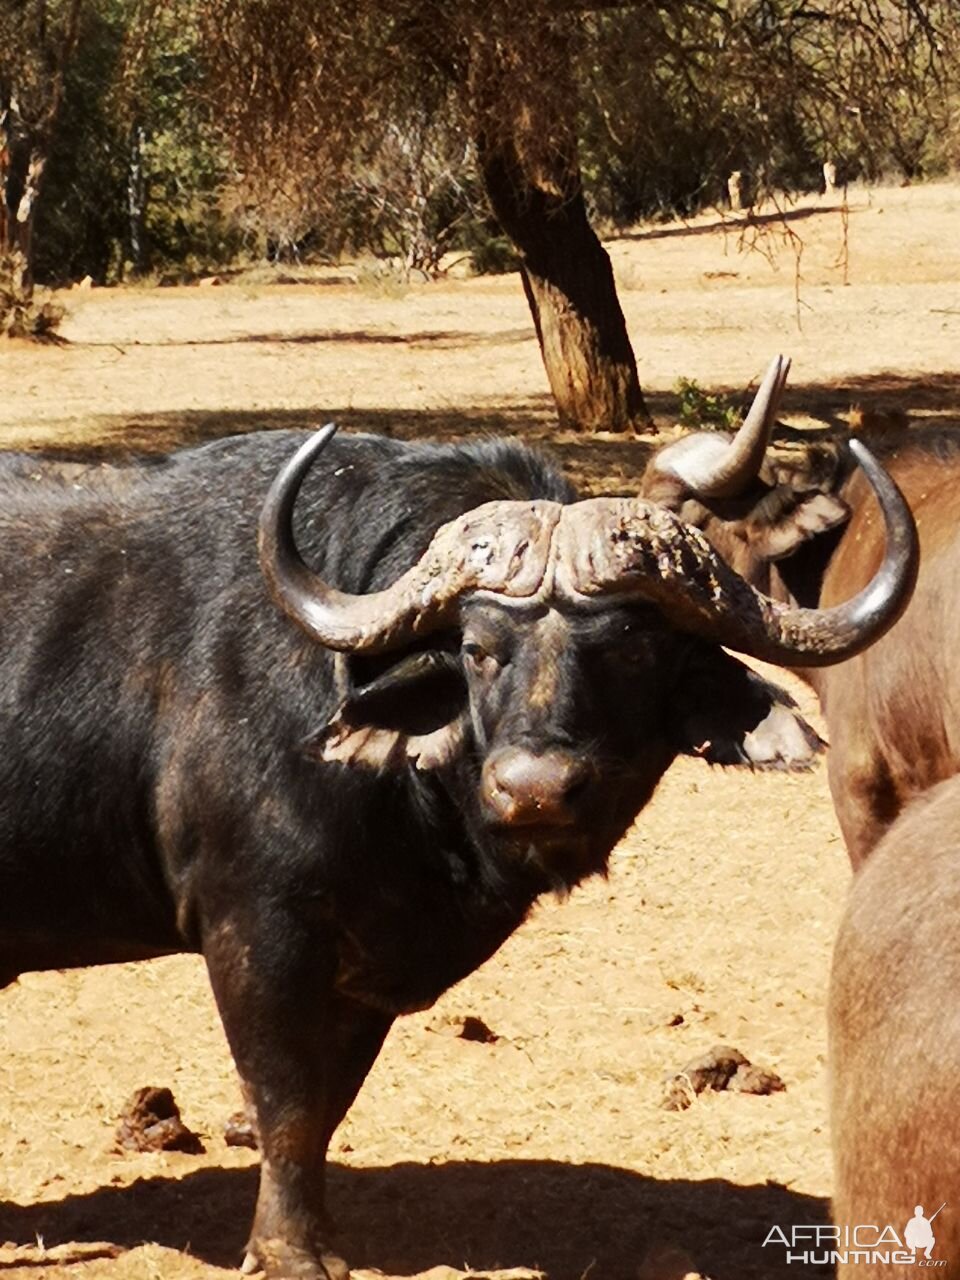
[[346, 803]]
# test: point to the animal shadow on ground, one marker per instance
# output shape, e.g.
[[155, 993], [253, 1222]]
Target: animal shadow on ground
[[431, 338], [564, 1219], [603, 463]]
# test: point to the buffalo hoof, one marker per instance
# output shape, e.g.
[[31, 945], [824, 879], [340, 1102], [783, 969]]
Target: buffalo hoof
[[280, 1261]]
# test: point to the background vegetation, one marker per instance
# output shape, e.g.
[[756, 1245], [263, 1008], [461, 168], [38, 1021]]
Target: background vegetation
[[172, 137], [147, 172]]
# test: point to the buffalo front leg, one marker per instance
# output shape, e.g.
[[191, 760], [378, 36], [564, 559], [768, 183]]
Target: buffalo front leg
[[290, 1226], [302, 1052]]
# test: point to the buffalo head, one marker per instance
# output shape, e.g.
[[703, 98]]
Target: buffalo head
[[554, 658], [776, 517]]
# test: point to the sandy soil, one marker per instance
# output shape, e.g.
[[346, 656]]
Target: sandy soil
[[546, 1149]]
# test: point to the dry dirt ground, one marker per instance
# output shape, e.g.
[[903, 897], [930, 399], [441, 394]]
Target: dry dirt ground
[[545, 1149]]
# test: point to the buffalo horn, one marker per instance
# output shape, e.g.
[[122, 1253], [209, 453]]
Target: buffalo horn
[[502, 547], [820, 637], [629, 547], [582, 552], [712, 466]]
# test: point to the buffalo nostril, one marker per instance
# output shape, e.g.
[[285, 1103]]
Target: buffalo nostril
[[522, 788], [578, 785]]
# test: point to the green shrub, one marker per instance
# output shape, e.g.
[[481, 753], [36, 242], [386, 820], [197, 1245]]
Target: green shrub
[[704, 410], [491, 253]]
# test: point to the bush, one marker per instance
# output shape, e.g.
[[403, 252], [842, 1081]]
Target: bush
[[703, 410], [491, 253]]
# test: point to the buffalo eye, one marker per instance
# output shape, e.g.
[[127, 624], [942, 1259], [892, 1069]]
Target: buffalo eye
[[631, 654], [480, 660], [634, 647]]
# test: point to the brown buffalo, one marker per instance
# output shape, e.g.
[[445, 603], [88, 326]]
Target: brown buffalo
[[895, 1042], [802, 527]]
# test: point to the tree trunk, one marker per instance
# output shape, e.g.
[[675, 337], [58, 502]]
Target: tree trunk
[[19, 173], [526, 144], [569, 285], [38, 69], [24, 219]]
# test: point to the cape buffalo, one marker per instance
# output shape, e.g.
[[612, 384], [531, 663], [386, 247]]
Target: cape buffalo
[[347, 797], [806, 530], [895, 1039]]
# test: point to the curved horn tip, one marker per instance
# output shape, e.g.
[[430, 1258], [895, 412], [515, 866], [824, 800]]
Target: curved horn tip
[[727, 472], [864, 456], [337, 619], [771, 386], [286, 483], [883, 484], [783, 366], [319, 438]]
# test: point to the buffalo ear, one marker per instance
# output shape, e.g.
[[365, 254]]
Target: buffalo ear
[[412, 712], [727, 714], [785, 520], [377, 747]]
